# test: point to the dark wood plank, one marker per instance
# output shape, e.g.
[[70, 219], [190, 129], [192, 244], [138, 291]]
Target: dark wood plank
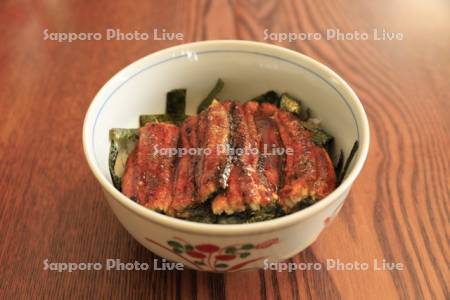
[[51, 206]]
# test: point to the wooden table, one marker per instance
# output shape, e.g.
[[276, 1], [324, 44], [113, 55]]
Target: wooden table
[[52, 208]]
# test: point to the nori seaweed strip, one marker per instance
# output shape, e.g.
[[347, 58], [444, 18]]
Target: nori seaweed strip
[[319, 136], [269, 97], [322, 138], [113, 152], [200, 212], [295, 106], [339, 164], [176, 102], [305, 114], [267, 212], [347, 163], [290, 104], [212, 94], [162, 118], [303, 204], [122, 134], [123, 142]]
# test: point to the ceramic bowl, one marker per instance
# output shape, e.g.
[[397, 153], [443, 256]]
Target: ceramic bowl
[[248, 69]]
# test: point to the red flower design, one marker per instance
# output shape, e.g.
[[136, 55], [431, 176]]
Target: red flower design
[[195, 254], [207, 248], [225, 257], [212, 257]]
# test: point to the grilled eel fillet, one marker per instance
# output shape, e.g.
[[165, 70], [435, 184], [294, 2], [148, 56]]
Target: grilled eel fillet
[[271, 161], [250, 180], [247, 185], [149, 174], [213, 164], [183, 194], [308, 170]]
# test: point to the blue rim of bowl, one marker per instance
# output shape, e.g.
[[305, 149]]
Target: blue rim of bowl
[[228, 229]]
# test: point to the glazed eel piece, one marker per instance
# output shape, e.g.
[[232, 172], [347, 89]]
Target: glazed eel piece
[[247, 188], [149, 171], [272, 157], [131, 176], [183, 194], [212, 165], [308, 169]]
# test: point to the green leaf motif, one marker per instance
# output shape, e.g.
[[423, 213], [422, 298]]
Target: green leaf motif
[[188, 247], [247, 246], [221, 266], [177, 250], [230, 250], [200, 263], [244, 254], [175, 244]]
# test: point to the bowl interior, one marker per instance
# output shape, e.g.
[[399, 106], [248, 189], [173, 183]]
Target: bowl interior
[[248, 70]]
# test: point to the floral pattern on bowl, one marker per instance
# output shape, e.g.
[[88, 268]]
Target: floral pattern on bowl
[[211, 257]]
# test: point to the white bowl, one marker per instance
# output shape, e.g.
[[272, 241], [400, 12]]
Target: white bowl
[[248, 69]]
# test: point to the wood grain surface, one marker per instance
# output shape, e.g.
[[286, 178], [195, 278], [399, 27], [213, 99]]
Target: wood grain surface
[[52, 207]]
